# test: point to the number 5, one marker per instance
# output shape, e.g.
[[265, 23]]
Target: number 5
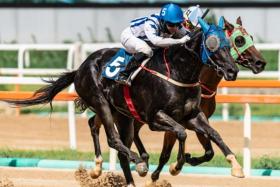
[[115, 66]]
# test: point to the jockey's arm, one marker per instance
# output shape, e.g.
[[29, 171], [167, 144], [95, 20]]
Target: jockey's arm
[[152, 30]]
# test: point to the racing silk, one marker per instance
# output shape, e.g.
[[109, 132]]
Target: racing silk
[[150, 30]]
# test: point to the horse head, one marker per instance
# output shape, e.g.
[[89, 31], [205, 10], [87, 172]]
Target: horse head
[[215, 50], [243, 50]]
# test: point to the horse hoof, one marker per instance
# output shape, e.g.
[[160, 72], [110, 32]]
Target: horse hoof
[[142, 169], [94, 174], [237, 172], [187, 155], [172, 169], [150, 183]]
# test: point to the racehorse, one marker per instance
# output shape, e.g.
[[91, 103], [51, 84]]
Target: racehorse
[[245, 54], [162, 109]]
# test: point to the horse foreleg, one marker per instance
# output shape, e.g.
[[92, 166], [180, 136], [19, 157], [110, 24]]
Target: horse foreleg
[[95, 124], [201, 126], [163, 122], [168, 143]]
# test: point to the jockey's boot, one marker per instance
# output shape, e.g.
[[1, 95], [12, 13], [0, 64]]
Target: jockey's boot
[[125, 76]]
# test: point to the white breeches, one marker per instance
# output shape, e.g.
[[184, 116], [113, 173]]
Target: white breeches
[[133, 44]]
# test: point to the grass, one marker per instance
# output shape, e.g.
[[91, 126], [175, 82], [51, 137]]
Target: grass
[[264, 110], [65, 154], [264, 162]]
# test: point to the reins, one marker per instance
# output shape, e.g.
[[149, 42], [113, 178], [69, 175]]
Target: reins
[[167, 78], [203, 86]]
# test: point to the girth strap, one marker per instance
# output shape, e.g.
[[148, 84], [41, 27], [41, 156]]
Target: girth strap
[[130, 104]]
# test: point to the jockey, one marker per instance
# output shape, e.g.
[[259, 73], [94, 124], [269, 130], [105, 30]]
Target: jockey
[[191, 16], [148, 33]]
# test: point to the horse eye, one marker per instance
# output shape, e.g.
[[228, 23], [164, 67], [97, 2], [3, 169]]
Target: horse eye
[[239, 41]]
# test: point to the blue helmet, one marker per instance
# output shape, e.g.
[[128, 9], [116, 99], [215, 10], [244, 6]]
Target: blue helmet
[[171, 13]]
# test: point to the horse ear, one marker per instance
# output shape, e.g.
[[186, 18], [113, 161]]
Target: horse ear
[[222, 22], [205, 27], [228, 26], [238, 21]]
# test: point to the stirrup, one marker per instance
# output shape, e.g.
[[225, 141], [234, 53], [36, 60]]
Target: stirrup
[[124, 81]]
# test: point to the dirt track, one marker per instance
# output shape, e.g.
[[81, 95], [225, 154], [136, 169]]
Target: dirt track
[[30, 177], [33, 132]]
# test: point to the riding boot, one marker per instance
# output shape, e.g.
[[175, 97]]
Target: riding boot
[[133, 64]]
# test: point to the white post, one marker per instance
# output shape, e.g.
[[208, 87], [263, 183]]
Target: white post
[[113, 159], [247, 141], [70, 57], [225, 113], [72, 122], [21, 61]]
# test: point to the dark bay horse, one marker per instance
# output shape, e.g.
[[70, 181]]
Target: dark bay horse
[[95, 124], [161, 104], [244, 54]]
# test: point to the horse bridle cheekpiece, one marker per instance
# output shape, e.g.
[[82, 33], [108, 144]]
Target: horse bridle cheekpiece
[[240, 40], [213, 38]]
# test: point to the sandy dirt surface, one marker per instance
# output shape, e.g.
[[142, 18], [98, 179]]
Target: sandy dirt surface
[[34, 132], [34, 177]]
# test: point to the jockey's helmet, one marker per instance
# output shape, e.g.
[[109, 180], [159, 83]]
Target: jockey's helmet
[[171, 13], [191, 16]]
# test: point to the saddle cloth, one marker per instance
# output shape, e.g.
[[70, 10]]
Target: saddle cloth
[[116, 65]]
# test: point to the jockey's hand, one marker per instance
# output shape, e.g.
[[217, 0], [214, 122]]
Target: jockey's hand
[[184, 39], [195, 33]]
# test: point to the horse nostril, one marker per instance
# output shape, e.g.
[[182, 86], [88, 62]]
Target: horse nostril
[[232, 73], [260, 64]]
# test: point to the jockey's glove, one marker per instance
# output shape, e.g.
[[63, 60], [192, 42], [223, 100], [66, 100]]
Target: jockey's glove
[[184, 39]]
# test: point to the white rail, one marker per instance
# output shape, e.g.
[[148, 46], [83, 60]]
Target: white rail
[[21, 70]]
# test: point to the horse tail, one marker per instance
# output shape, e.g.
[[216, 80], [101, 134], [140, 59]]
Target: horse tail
[[47, 93], [81, 105]]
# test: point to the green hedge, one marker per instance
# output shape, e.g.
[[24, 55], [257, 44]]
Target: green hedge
[[38, 59], [57, 59]]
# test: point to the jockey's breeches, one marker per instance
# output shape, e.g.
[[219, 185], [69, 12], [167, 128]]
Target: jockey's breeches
[[133, 44]]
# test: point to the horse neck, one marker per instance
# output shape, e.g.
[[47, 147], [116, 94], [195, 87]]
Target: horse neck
[[208, 77], [185, 66]]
